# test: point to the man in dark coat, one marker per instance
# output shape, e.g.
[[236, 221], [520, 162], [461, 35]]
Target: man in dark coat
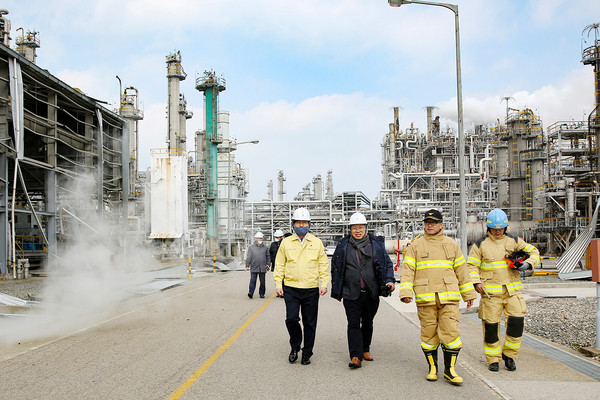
[[361, 271], [278, 235]]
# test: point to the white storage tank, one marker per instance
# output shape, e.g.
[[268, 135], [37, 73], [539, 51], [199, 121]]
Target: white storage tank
[[168, 195]]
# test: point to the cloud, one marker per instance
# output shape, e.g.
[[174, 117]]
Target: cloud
[[558, 12], [572, 98], [314, 80], [338, 132]]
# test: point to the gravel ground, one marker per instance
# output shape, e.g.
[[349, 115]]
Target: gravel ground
[[567, 321], [29, 289]]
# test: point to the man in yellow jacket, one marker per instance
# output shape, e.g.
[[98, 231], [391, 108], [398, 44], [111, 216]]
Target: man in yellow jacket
[[435, 269], [301, 261], [500, 286]]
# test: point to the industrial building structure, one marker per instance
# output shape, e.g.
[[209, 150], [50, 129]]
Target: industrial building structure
[[53, 138], [58, 145], [547, 181], [192, 204]]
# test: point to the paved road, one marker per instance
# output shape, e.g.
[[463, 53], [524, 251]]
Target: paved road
[[207, 340]]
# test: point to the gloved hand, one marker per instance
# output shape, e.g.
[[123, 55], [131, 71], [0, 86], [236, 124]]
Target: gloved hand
[[524, 266]]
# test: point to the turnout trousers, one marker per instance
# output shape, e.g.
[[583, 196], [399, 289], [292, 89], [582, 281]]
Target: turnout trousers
[[360, 314], [490, 313], [303, 302], [439, 323]]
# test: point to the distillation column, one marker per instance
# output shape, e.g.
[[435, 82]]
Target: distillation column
[[270, 190], [175, 75], [318, 187], [130, 110], [329, 186], [27, 43], [501, 150], [184, 115], [591, 56], [4, 28], [280, 180], [211, 86]]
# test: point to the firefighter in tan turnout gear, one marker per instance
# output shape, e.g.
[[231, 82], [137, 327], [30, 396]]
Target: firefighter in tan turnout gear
[[435, 269], [496, 278]]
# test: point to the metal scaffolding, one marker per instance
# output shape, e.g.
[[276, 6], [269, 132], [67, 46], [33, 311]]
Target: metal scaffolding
[[52, 134]]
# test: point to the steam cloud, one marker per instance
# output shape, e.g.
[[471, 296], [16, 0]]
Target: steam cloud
[[89, 276]]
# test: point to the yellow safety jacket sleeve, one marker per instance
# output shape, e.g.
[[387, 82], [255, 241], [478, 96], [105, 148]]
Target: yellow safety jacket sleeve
[[487, 263], [302, 264], [434, 264]]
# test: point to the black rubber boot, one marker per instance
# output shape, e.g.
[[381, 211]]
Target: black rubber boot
[[449, 362], [509, 363], [432, 357]]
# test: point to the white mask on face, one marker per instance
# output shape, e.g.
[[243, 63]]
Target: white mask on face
[[259, 242]]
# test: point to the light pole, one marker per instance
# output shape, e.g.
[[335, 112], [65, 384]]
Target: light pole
[[229, 150], [461, 137]]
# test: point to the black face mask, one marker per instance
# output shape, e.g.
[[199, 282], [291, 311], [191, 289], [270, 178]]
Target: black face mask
[[301, 231]]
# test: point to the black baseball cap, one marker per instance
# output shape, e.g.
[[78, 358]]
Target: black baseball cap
[[434, 215]]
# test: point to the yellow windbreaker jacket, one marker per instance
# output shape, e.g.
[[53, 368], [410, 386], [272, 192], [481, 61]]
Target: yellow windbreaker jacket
[[301, 264], [488, 266], [435, 264]]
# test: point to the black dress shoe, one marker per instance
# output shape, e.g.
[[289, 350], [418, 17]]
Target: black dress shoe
[[250, 295], [509, 363], [493, 367], [305, 360], [293, 356]]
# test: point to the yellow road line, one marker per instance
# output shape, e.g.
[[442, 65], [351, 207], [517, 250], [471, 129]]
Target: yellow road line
[[200, 371]]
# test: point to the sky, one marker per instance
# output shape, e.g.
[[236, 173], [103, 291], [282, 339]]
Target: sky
[[315, 80]]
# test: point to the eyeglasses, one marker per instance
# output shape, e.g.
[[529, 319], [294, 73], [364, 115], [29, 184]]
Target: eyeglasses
[[358, 228], [432, 222]]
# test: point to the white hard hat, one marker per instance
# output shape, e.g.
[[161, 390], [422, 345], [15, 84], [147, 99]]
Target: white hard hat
[[357, 219], [258, 235], [278, 233], [301, 214]]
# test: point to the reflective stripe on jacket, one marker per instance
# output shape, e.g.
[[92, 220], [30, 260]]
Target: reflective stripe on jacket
[[434, 264], [302, 264], [488, 266]]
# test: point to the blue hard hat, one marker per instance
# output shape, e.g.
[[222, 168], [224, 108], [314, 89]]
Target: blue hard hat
[[497, 219]]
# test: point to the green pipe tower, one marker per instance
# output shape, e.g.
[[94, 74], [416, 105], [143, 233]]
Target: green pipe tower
[[211, 86]]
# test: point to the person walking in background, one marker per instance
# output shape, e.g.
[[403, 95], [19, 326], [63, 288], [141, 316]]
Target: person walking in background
[[278, 235], [434, 268], [258, 262], [497, 280], [361, 271], [302, 263]]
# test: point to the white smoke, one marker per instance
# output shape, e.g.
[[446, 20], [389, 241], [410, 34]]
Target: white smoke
[[87, 278]]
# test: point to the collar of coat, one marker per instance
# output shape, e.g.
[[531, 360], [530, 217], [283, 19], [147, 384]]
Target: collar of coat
[[496, 240], [309, 236], [437, 236]]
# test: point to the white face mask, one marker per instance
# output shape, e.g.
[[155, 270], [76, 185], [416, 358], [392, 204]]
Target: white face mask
[[259, 242]]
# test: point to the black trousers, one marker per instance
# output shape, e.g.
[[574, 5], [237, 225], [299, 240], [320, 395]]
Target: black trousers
[[360, 314], [262, 287], [305, 302]]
